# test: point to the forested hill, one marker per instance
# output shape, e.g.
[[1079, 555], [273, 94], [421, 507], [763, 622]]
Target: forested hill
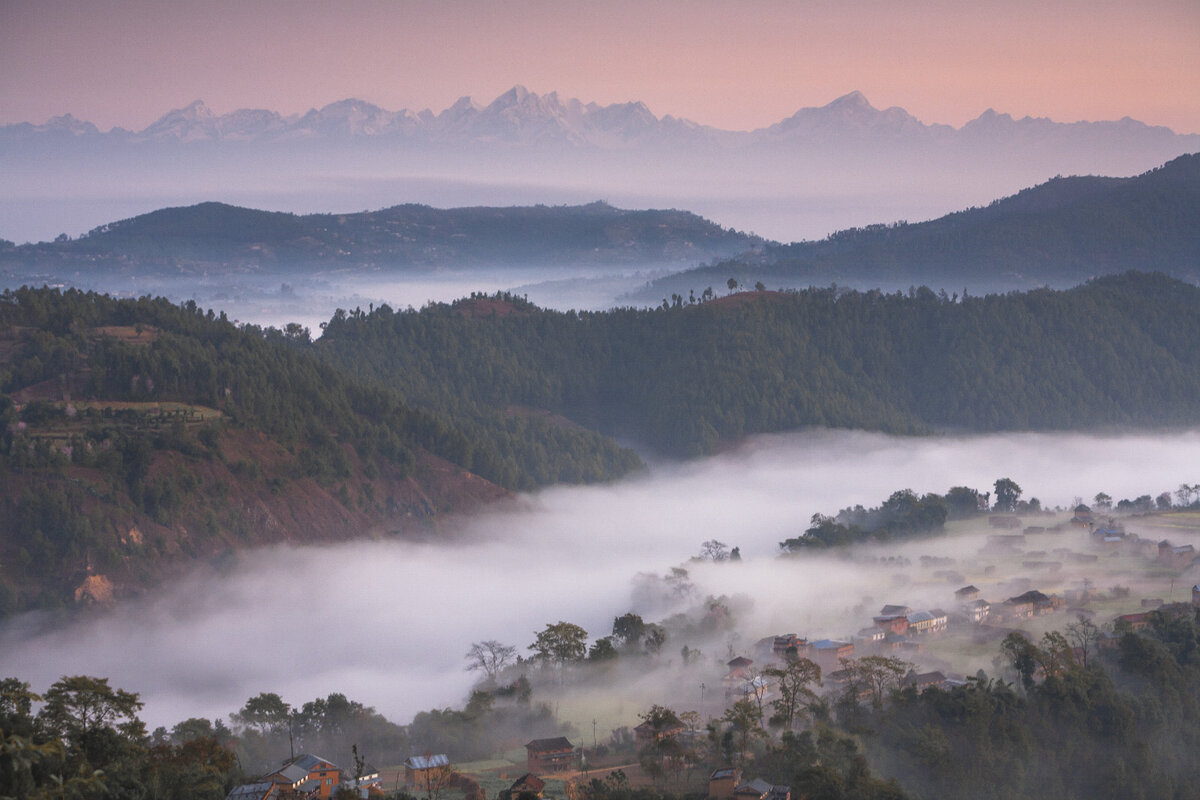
[[212, 236], [137, 436], [684, 378], [1060, 233]]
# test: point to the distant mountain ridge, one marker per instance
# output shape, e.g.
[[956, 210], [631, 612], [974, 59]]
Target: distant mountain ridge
[[1060, 233], [215, 235], [524, 117], [821, 169]]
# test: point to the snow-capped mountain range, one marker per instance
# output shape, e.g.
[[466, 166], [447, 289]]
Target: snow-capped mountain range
[[822, 169], [522, 117]]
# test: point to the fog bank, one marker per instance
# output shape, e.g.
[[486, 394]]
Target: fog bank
[[387, 622]]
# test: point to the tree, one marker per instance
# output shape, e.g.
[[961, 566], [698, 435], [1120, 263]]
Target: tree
[[877, 673], [267, 712], [602, 650], [628, 630], [713, 550], [654, 638], [661, 741], [490, 657], [1007, 495], [962, 502], [1023, 655], [793, 681], [560, 643], [16, 704], [1103, 501], [745, 720], [79, 705], [732, 284]]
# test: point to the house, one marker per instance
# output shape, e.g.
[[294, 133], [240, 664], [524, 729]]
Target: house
[[789, 645], [897, 624], [549, 755], [366, 785], [869, 638], [922, 681], [722, 782], [739, 673], [420, 770], [922, 622], [977, 610], [740, 666], [966, 594], [645, 733], [759, 789], [1176, 557], [308, 775], [252, 791], [1033, 602], [528, 784], [827, 653], [895, 611], [1135, 621], [1019, 607]]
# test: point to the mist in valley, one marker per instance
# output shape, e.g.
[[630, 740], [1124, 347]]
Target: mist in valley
[[387, 622]]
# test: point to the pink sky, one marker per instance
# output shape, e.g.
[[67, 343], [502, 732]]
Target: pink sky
[[737, 64]]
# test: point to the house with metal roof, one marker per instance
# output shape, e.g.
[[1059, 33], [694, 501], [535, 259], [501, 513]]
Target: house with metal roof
[[252, 791], [307, 774], [418, 770], [722, 781], [549, 755], [758, 789]]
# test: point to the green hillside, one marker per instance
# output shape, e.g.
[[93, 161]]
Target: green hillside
[[1060, 233], [686, 378], [211, 236], [137, 436]]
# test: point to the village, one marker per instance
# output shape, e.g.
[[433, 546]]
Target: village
[[898, 648]]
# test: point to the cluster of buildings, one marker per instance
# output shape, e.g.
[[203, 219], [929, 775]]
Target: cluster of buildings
[[895, 630], [308, 776]]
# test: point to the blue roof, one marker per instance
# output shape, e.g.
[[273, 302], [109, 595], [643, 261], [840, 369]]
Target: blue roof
[[830, 644], [428, 762], [250, 791]]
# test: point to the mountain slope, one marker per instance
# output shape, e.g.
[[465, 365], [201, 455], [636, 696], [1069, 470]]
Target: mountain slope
[[408, 237], [823, 168], [137, 437], [1058, 233], [689, 379]]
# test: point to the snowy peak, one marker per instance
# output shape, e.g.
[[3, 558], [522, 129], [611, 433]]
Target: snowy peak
[[351, 117], [67, 124], [854, 102], [193, 122], [520, 117], [853, 116]]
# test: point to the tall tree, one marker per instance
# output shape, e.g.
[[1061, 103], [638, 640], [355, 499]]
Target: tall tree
[[1008, 493], [560, 643], [794, 682], [80, 704], [490, 657]]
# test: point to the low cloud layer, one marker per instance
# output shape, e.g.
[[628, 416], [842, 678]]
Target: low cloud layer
[[387, 623]]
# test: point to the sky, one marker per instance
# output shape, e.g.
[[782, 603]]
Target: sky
[[734, 64]]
